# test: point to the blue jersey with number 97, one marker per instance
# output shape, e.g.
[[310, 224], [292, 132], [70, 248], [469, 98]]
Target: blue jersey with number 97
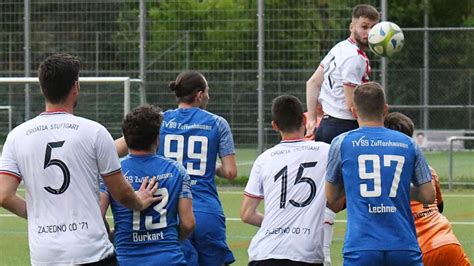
[[194, 138], [376, 166]]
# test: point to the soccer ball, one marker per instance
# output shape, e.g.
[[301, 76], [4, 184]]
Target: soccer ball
[[386, 39]]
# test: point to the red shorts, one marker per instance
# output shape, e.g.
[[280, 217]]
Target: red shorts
[[451, 254]]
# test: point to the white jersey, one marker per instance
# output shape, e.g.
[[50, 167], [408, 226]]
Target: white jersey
[[345, 64], [60, 157], [290, 179]]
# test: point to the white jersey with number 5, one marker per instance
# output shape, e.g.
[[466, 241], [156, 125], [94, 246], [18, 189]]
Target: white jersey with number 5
[[290, 179], [60, 157]]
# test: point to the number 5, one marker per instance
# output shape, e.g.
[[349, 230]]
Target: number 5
[[48, 162]]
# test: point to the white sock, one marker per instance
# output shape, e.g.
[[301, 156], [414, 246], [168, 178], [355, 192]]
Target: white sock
[[329, 217]]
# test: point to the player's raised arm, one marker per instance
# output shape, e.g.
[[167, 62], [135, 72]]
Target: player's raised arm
[[313, 89], [121, 147]]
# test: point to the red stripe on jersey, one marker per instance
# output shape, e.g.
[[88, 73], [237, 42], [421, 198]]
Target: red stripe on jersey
[[16, 176], [291, 140], [349, 84], [252, 195]]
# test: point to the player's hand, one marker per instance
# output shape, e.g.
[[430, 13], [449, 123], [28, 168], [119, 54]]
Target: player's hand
[[310, 127], [147, 191]]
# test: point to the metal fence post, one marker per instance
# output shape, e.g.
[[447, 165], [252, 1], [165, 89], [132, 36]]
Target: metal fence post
[[27, 54], [260, 74]]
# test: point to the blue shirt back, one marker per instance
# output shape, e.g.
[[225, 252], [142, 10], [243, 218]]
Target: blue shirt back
[[194, 138], [377, 166], [153, 231]]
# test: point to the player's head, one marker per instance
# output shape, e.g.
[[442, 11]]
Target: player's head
[[58, 75], [191, 87], [399, 122], [287, 114], [369, 102], [364, 17], [141, 128]]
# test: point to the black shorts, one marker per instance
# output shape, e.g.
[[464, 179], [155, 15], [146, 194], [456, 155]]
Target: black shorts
[[275, 262], [330, 127]]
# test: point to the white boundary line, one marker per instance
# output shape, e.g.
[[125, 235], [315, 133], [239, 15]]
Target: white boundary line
[[8, 215]]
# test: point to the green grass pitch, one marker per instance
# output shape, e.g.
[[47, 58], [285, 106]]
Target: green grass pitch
[[459, 208]]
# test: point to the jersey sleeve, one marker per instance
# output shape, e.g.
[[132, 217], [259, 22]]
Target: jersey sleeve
[[107, 158], [334, 167], [326, 60], [254, 188], [8, 164], [352, 70], [226, 141], [422, 172], [186, 183]]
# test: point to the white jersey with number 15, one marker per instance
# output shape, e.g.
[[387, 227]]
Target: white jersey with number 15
[[290, 179]]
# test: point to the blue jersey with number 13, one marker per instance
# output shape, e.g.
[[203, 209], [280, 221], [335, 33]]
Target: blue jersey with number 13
[[194, 138]]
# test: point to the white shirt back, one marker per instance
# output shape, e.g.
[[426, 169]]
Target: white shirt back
[[60, 157], [290, 179], [345, 64]]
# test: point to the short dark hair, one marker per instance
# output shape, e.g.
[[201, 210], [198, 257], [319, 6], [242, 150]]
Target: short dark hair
[[287, 113], [141, 127], [187, 85], [369, 100], [57, 75], [399, 122], [366, 11]]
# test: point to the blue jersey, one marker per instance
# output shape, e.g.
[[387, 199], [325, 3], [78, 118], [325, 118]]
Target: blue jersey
[[194, 138], [151, 233], [376, 166]]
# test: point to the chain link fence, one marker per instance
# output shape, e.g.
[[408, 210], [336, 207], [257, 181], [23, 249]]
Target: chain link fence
[[219, 38]]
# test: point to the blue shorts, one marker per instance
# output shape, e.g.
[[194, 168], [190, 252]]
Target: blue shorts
[[162, 258], [207, 244], [386, 258], [330, 127]]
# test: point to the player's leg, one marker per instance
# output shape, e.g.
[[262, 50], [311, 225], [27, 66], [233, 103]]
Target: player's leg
[[328, 227], [451, 254], [282, 262], [210, 240], [403, 258], [364, 258]]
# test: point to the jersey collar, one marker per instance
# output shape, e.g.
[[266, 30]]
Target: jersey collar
[[54, 112], [291, 140]]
